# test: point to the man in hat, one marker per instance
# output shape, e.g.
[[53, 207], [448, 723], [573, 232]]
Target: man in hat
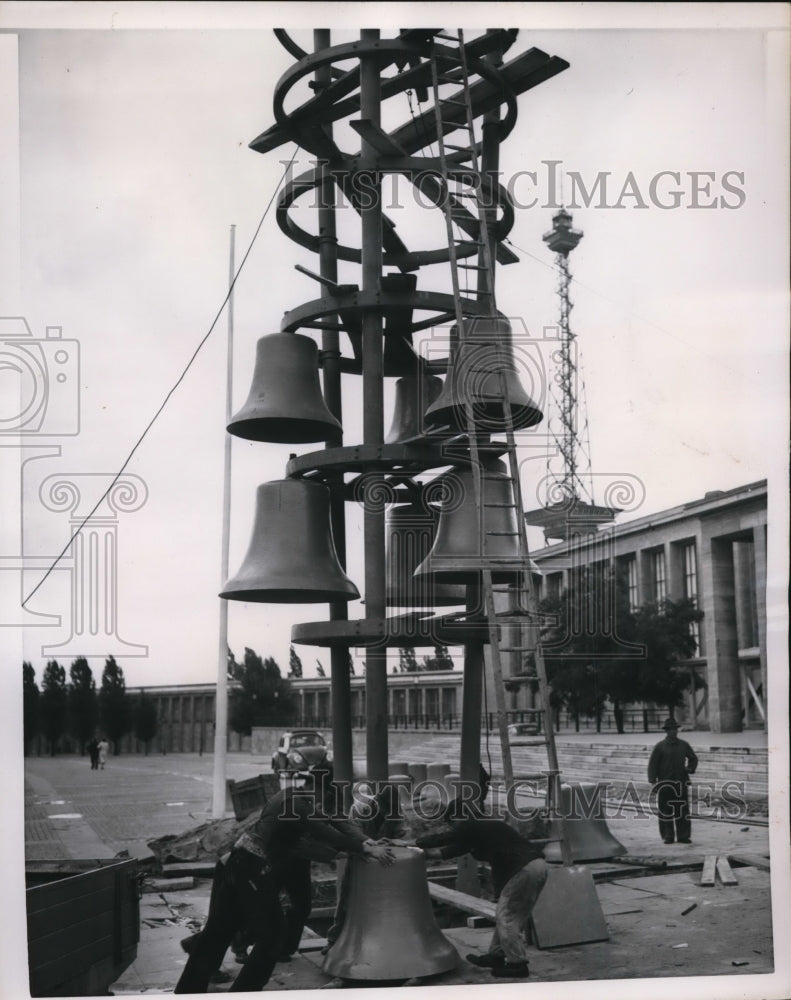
[[671, 763]]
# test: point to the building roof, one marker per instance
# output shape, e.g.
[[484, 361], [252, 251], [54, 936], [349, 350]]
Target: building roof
[[712, 502]]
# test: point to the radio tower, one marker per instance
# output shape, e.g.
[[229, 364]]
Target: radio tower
[[566, 510]]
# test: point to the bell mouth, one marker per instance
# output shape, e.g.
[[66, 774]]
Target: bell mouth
[[488, 414], [277, 431], [255, 595]]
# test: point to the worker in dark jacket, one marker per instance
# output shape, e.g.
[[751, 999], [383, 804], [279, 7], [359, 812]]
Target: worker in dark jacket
[[671, 763], [518, 875], [262, 863]]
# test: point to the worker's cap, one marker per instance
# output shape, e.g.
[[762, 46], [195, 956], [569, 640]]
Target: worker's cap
[[669, 724]]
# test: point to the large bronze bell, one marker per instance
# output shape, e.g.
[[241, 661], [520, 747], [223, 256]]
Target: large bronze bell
[[291, 558], [410, 534], [477, 357], [285, 403], [413, 394], [583, 825], [469, 540], [389, 931]]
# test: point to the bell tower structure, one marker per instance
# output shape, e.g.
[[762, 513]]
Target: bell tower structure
[[430, 463]]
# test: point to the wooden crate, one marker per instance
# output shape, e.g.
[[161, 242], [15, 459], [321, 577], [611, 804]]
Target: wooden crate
[[83, 925], [251, 794]]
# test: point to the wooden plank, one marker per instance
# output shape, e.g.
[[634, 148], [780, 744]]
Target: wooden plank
[[709, 870], [71, 888], [725, 871], [173, 884], [752, 860], [202, 869], [48, 920], [67, 890], [462, 901], [46, 976]]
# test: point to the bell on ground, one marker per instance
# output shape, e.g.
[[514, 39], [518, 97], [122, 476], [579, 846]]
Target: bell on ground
[[389, 931], [411, 530], [292, 557], [583, 824], [476, 360], [285, 402], [413, 395], [469, 540]]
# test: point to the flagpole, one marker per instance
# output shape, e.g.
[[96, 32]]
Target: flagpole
[[221, 697]]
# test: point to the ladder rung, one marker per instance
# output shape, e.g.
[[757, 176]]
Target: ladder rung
[[458, 149], [505, 505], [502, 532], [452, 100], [534, 743], [446, 37], [472, 267]]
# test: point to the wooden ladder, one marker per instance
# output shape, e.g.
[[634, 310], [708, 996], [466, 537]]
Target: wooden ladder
[[449, 66]]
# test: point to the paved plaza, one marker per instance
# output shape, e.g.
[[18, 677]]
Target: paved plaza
[[655, 931]]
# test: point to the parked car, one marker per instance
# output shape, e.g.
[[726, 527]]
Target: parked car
[[300, 750], [521, 732]]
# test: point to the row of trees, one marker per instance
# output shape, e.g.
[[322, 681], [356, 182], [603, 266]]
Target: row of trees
[[408, 663], [76, 709], [261, 695], [597, 650]]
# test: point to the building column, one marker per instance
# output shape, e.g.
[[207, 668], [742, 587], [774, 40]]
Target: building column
[[744, 582], [719, 626]]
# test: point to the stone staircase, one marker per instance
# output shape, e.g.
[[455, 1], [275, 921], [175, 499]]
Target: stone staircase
[[620, 765]]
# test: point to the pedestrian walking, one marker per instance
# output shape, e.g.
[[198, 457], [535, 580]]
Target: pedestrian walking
[[671, 763], [261, 864], [93, 753], [103, 749]]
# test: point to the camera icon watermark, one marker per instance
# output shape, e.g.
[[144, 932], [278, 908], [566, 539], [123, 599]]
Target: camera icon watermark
[[40, 379]]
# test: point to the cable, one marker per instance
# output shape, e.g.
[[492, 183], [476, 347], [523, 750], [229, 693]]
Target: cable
[[173, 388]]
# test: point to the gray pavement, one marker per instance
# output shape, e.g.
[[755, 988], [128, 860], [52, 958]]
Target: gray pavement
[[74, 812]]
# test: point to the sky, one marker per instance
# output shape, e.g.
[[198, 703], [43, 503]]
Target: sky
[[132, 163]]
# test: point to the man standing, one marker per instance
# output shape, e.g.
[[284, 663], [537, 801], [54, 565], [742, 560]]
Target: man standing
[[672, 762]]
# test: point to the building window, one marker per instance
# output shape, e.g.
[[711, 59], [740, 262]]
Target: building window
[[659, 575], [691, 587], [690, 572], [631, 583]]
